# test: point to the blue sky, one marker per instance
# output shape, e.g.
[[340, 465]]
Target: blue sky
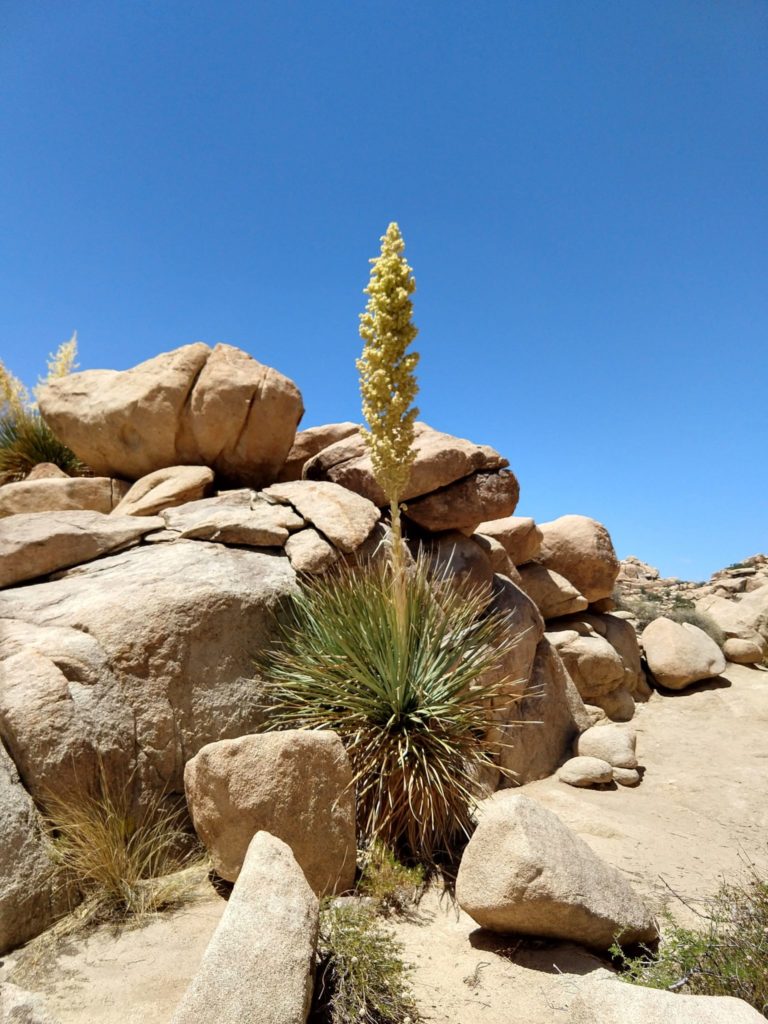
[[581, 186]]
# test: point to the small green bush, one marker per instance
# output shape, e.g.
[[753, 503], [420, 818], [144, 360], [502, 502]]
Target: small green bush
[[403, 687], [361, 977], [728, 956], [393, 885], [699, 619], [26, 440]]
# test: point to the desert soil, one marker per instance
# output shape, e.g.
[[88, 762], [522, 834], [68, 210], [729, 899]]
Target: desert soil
[[698, 815]]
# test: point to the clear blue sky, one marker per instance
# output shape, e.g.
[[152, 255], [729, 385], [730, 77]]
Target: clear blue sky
[[582, 185]]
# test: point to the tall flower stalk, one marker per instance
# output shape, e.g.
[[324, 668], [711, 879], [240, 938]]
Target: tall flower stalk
[[388, 384]]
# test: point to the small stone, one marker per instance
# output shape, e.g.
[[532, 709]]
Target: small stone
[[586, 771]]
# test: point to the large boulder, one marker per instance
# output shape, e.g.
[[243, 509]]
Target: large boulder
[[166, 488], [193, 406], [580, 549], [465, 503], [259, 964], [40, 543], [553, 594], [456, 558], [135, 662], [295, 784], [61, 493], [524, 871], [593, 664], [440, 459], [32, 894], [542, 725], [344, 517], [679, 654], [520, 536], [309, 442], [602, 998], [742, 652]]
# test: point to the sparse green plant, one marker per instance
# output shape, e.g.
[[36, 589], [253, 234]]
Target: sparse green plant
[[393, 885], [411, 704], [25, 438], [726, 956], [361, 977], [699, 619], [123, 863]]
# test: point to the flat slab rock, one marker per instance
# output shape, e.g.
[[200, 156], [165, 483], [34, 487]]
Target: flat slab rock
[[165, 488], [524, 871], [39, 543], [440, 460], [61, 493], [234, 517], [344, 517]]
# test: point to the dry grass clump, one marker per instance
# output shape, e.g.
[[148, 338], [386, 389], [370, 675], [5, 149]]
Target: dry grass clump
[[403, 686], [726, 956], [361, 977], [123, 865]]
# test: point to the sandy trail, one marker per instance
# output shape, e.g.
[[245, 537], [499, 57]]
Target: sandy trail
[[702, 807]]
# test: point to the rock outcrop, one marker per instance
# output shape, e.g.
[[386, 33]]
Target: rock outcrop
[[60, 494], [166, 488], [580, 549]]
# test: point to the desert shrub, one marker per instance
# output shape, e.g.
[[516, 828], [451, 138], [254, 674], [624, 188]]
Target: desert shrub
[[124, 864], [726, 956], [361, 977], [26, 440], [402, 686], [643, 608], [393, 885], [699, 619]]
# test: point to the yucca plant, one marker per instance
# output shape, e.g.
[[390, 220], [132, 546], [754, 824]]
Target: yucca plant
[[124, 864], [410, 702], [26, 440]]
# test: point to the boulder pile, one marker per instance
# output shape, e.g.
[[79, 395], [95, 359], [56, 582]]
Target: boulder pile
[[133, 604]]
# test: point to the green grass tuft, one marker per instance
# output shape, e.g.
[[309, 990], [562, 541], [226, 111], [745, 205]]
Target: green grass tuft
[[26, 440]]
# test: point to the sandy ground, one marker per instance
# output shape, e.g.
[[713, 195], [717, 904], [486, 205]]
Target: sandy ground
[[699, 811]]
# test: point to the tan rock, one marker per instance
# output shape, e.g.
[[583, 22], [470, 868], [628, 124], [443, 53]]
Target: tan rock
[[679, 654], [466, 503], [166, 488], [500, 561], [440, 459], [454, 557], [192, 406], [580, 549], [344, 517], [585, 771], [742, 652], [552, 593], [611, 742], [61, 494], [520, 536], [524, 871], [295, 784], [32, 893], [259, 964], [309, 552], [46, 471], [592, 663], [618, 705], [541, 726], [735, 618], [309, 442], [602, 998], [39, 543], [626, 776], [135, 661], [17, 1006], [254, 528]]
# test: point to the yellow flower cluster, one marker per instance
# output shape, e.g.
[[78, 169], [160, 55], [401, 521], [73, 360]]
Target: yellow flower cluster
[[387, 382]]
